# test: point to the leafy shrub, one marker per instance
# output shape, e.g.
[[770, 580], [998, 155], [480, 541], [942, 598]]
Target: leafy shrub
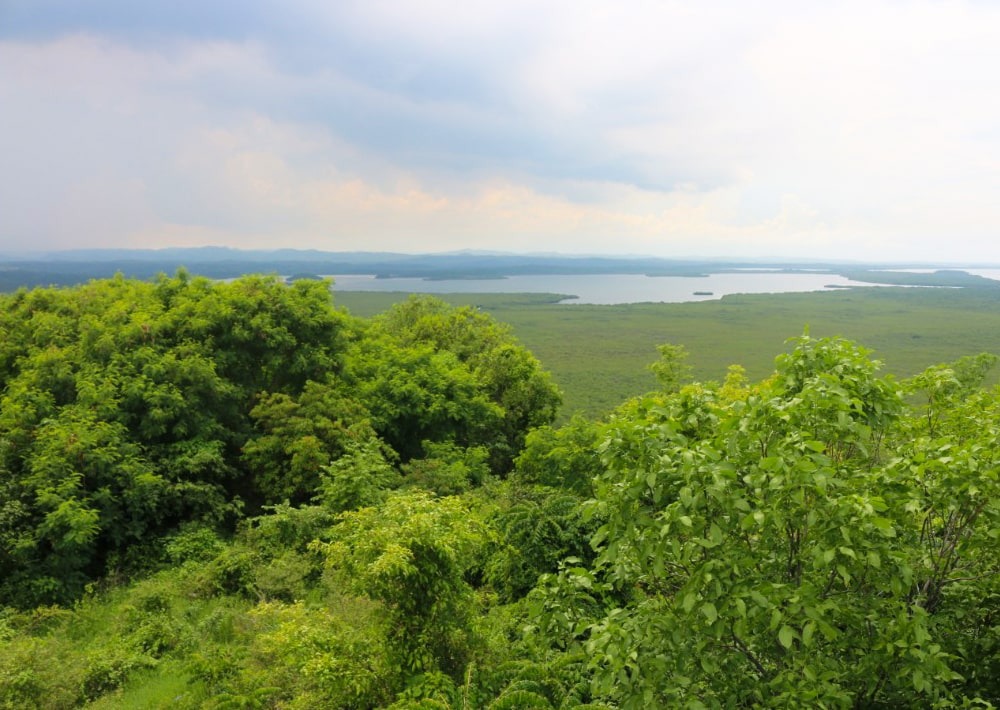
[[359, 478], [536, 528], [447, 469], [231, 572], [107, 669], [411, 553], [288, 577], [192, 543]]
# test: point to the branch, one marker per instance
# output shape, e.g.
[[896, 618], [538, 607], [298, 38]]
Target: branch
[[742, 648]]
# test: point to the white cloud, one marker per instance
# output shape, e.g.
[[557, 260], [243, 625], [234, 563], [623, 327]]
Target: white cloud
[[847, 129]]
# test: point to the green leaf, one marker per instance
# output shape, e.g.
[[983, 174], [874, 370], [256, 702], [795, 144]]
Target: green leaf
[[786, 635], [844, 574], [689, 600], [710, 612], [885, 526], [707, 664], [715, 534], [807, 633]]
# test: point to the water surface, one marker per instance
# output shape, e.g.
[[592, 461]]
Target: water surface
[[613, 288]]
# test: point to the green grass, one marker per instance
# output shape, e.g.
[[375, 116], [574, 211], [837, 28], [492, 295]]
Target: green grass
[[599, 355], [163, 687]]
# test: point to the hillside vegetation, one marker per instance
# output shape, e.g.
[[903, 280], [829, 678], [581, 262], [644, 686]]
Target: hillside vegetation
[[239, 496]]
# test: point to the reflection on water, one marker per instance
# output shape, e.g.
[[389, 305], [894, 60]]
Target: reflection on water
[[612, 288]]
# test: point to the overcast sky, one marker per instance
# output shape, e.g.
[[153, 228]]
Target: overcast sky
[[863, 130]]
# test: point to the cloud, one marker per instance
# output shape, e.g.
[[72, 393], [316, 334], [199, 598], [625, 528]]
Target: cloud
[[814, 129]]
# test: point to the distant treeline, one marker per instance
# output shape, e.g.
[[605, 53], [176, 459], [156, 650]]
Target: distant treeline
[[75, 267]]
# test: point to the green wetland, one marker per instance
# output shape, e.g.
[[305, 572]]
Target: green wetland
[[598, 354]]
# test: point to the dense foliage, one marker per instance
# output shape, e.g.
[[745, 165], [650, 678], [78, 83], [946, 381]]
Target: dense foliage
[[130, 408], [803, 543], [236, 496]]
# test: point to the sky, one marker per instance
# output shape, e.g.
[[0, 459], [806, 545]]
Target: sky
[[864, 130]]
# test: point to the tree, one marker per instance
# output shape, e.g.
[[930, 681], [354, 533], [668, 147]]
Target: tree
[[506, 373], [564, 457], [416, 393], [411, 553], [360, 478], [447, 469], [297, 436], [537, 528], [942, 386], [126, 407], [671, 369], [786, 548]]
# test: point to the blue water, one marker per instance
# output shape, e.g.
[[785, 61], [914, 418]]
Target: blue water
[[611, 288]]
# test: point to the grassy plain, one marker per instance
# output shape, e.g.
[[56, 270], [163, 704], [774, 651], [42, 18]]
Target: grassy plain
[[599, 355]]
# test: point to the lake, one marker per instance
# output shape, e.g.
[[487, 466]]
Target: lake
[[611, 289], [992, 274]]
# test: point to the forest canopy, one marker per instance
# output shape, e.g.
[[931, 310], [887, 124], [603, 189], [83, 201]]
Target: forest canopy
[[236, 495], [130, 409]]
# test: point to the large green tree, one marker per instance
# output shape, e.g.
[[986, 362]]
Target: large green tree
[[796, 544], [125, 408], [504, 373]]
